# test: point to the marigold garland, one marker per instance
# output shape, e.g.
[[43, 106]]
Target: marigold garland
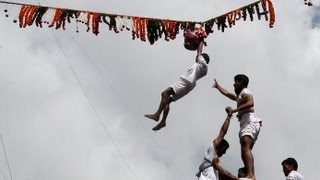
[[171, 30], [143, 28], [271, 11], [38, 17], [95, 20], [57, 21], [26, 15], [308, 2], [155, 29]]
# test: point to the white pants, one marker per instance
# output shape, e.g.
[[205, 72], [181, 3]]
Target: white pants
[[249, 126], [181, 88]]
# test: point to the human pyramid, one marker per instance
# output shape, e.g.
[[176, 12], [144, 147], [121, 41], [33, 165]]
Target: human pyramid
[[250, 123]]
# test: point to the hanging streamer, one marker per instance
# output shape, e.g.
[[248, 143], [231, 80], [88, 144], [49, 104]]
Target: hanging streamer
[[308, 2], [143, 28]]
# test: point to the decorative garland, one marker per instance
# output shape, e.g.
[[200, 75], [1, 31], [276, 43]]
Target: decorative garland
[[143, 28], [308, 2]]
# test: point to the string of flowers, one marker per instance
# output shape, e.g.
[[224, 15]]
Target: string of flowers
[[143, 28], [271, 11], [229, 19], [95, 20], [171, 29], [308, 2], [26, 15]]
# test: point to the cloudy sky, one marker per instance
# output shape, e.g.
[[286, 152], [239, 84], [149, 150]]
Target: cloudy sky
[[72, 104]]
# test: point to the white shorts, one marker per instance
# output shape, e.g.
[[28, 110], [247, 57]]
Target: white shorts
[[250, 126], [181, 88], [208, 174]]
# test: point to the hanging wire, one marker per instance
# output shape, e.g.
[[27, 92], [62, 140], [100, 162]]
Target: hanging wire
[[92, 106], [123, 101], [6, 156], [111, 87]]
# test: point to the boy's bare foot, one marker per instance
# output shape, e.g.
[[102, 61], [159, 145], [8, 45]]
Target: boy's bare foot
[[159, 126], [152, 116]]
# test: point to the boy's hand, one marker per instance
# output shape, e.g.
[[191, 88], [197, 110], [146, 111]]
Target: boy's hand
[[229, 110]]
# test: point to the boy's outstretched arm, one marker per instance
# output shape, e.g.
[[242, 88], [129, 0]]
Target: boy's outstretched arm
[[223, 91], [223, 130], [199, 50]]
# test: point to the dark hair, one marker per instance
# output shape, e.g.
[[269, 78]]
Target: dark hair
[[243, 170], [242, 78], [224, 143], [206, 57], [292, 162]]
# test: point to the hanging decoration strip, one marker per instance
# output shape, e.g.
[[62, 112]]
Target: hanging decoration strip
[[143, 28], [308, 2]]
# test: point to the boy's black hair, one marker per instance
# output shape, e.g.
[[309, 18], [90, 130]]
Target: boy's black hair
[[243, 79], [206, 57], [292, 162]]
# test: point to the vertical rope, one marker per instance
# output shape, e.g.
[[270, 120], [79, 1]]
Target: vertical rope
[[6, 156], [92, 106]]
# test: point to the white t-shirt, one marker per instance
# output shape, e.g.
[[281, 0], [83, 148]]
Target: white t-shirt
[[294, 175], [197, 71]]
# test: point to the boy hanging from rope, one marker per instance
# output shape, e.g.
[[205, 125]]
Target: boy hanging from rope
[[182, 87]]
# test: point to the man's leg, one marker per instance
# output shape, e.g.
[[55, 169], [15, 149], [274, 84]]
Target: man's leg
[[165, 100], [164, 118], [247, 157]]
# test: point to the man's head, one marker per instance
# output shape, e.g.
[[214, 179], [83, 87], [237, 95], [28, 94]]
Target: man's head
[[241, 81], [288, 165], [222, 147], [242, 172], [206, 57]]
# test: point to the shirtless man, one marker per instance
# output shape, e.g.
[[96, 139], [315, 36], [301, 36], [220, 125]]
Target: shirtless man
[[249, 123]]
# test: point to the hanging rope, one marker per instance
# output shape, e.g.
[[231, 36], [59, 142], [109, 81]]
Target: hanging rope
[[6, 156], [93, 108]]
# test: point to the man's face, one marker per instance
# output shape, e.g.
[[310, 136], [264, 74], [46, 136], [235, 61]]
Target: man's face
[[237, 87], [286, 168]]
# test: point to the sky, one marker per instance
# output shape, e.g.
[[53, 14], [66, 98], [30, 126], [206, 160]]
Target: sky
[[72, 104]]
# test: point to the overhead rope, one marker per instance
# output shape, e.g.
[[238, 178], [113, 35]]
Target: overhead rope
[[92, 106], [123, 101], [143, 28], [6, 156]]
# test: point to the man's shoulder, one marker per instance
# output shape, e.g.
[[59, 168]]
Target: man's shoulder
[[294, 175], [246, 91]]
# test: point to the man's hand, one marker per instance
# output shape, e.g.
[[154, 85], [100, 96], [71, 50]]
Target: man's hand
[[215, 84]]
